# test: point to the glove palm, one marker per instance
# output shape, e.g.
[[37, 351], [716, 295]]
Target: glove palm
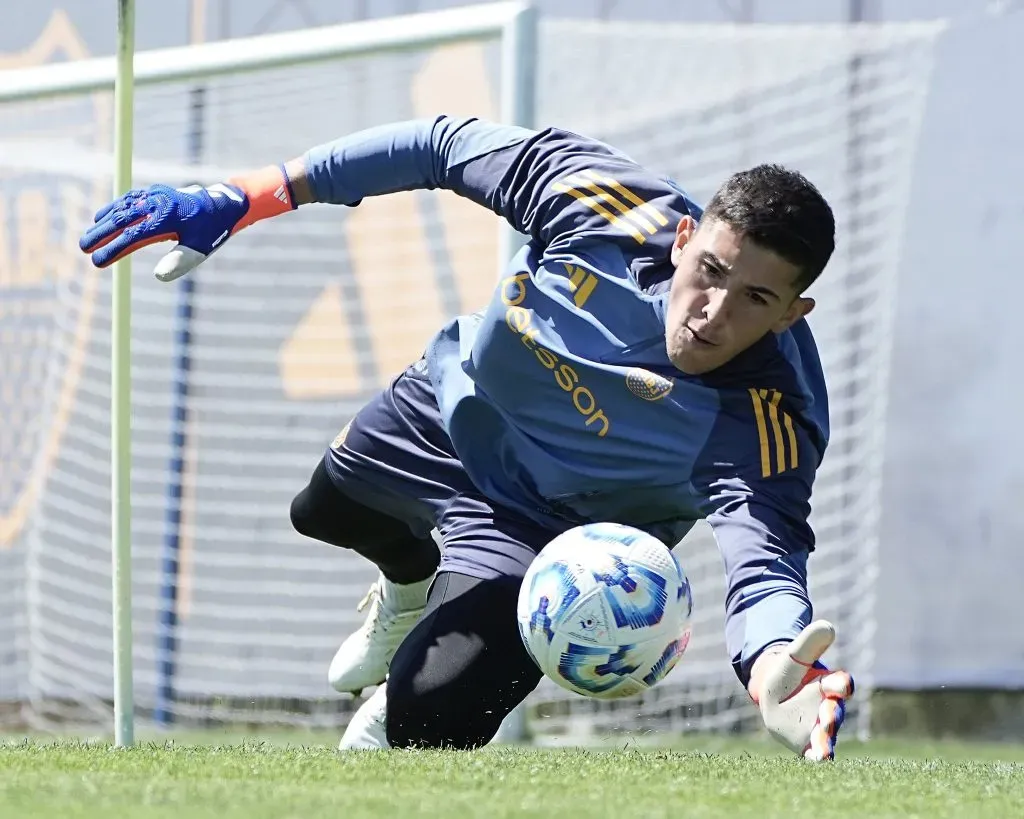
[[802, 702]]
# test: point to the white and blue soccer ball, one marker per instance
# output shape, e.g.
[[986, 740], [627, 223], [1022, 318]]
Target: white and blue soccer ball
[[604, 610]]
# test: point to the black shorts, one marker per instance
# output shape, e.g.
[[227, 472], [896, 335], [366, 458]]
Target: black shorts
[[395, 457]]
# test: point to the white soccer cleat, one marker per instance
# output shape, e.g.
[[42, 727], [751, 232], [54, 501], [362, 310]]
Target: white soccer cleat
[[367, 730], [364, 658]]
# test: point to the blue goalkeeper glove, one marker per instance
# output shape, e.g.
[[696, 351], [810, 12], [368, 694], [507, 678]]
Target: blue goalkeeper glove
[[801, 701], [199, 219]]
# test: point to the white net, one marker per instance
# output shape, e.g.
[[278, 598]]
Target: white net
[[298, 321], [844, 106]]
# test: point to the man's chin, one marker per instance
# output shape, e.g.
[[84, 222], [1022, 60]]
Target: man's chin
[[690, 363], [690, 355]]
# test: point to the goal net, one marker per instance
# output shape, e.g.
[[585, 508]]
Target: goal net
[[244, 375]]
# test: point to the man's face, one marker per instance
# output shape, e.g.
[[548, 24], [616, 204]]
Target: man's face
[[727, 293]]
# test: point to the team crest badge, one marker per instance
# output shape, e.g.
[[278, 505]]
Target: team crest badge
[[48, 288], [647, 385]]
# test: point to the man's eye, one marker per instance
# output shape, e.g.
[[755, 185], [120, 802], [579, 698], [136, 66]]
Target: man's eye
[[710, 271], [757, 298]]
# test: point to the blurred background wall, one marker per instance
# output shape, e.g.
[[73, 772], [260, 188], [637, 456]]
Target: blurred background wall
[[952, 549]]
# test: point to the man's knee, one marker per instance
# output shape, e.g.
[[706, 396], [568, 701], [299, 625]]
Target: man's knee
[[323, 512], [315, 512], [320, 511], [439, 717], [305, 513]]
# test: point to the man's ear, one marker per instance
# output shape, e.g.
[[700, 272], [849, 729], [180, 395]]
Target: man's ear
[[684, 232], [800, 307]]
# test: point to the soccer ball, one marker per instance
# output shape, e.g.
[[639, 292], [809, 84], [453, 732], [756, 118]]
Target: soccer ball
[[604, 610]]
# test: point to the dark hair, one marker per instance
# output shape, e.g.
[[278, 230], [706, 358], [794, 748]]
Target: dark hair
[[781, 211]]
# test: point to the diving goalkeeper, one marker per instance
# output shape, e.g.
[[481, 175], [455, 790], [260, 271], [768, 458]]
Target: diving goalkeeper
[[641, 361]]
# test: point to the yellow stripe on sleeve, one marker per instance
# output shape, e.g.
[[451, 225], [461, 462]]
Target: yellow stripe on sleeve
[[794, 460], [773, 414], [762, 433], [631, 197], [632, 214], [597, 207]]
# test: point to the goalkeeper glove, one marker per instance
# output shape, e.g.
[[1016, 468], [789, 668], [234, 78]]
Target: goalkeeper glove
[[801, 701], [198, 219]]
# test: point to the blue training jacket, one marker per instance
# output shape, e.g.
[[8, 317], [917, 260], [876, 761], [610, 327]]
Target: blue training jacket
[[559, 396]]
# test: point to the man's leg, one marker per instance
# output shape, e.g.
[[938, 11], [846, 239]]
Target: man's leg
[[462, 669], [381, 486], [321, 511], [457, 675], [395, 601]]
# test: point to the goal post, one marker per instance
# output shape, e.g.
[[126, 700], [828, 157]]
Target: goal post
[[277, 51], [120, 391], [302, 319]]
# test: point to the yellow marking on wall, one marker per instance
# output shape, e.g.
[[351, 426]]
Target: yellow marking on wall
[[29, 261], [389, 240], [454, 80], [8, 268], [197, 22], [391, 261], [316, 360], [58, 38], [190, 456]]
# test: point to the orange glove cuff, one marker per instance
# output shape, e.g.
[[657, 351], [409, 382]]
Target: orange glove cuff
[[270, 194]]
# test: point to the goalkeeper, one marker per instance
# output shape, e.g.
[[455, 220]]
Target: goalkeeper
[[641, 361]]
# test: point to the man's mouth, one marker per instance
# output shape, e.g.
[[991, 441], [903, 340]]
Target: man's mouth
[[699, 338]]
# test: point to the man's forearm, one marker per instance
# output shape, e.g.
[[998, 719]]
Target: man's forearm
[[413, 155], [385, 159], [401, 156], [770, 616], [765, 607]]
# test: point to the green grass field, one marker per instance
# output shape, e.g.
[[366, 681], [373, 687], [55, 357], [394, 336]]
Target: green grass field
[[71, 779]]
